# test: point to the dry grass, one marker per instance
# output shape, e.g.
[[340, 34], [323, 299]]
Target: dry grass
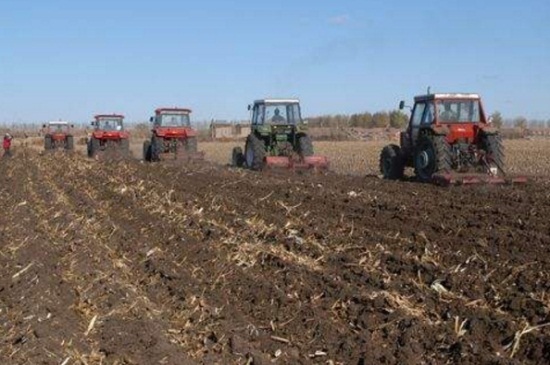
[[523, 156]]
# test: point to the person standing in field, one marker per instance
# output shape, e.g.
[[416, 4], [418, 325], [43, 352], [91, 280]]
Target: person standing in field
[[7, 145]]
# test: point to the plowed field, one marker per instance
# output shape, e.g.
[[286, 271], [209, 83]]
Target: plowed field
[[132, 263]]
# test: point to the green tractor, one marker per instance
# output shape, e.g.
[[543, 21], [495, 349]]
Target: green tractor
[[278, 138]]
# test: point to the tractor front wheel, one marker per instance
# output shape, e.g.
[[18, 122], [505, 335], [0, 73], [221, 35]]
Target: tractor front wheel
[[305, 147], [255, 153], [392, 166], [433, 156]]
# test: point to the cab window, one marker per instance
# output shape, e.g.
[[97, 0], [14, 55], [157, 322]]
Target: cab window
[[429, 115], [418, 112]]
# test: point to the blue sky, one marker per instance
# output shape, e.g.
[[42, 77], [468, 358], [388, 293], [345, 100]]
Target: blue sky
[[71, 59]]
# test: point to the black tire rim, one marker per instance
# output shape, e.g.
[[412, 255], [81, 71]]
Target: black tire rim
[[425, 162]]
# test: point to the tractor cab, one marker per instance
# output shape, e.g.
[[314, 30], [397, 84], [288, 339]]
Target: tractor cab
[[57, 128], [108, 123], [276, 112], [173, 118]]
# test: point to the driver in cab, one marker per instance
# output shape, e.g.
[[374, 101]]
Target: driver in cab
[[448, 115], [278, 118]]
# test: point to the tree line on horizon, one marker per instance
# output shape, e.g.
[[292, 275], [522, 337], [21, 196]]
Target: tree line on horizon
[[382, 119]]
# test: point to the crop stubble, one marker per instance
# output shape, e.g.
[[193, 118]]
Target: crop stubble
[[131, 263]]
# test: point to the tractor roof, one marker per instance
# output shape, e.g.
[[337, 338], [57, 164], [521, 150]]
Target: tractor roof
[[172, 110], [58, 122], [106, 116], [277, 101], [446, 96]]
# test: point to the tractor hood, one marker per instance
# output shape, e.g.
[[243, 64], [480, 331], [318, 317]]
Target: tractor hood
[[58, 136], [268, 129], [175, 132], [458, 131], [110, 134]]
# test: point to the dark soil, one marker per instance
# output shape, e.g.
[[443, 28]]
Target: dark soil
[[132, 263]]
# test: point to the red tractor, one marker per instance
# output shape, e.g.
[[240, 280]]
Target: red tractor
[[172, 136], [449, 140], [108, 136], [58, 135]]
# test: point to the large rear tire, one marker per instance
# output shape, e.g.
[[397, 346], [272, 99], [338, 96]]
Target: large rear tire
[[432, 156], [147, 151], [494, 149], [48, 142], [95, 146], [305, 146], [392, 166], [237, 157], [157, 148], [255, 153]]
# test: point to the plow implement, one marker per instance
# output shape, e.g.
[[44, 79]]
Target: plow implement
[[457, 178], [317, 163]]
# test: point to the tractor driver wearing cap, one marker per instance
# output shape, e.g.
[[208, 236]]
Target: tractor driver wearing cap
[[278, 118]]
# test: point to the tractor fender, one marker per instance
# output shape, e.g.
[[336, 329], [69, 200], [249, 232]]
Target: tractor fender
[[489, 130]]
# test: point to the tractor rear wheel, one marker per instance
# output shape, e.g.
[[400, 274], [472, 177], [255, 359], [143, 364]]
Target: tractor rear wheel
[[392, 166], [492, 144], [433, 156], [191, 145], [305, 147], [147, 151], [48, 143], [95, 146], [69, 143], [255, 152], [237, 158], [157, 148]]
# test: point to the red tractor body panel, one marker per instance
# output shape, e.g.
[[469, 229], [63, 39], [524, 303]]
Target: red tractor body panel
[[58, 136], [174, 132], [110, 135]]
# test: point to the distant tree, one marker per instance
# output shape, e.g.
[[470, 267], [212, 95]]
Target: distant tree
[[398, 119], [520, 122], [380, 120], [496, 119]]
